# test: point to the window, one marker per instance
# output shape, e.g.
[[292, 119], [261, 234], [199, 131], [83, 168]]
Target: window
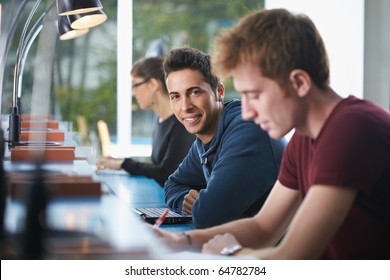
[[158, 26]]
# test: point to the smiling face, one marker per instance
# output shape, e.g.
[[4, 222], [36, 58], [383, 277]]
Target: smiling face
[[264, 101], [194, 103]]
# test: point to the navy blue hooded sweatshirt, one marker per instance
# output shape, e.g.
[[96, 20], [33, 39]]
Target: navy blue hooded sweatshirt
[[234, 173]]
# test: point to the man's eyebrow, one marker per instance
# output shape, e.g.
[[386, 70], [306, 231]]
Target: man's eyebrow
[[188, 90], [248, 91]]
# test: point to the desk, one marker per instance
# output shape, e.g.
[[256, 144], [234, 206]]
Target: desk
[[90, 228], [139, 191], [107, 218], [108, 215]]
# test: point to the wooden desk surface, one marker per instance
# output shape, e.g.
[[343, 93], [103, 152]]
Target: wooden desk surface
[[91, 228], [109, 215], [135, 191]]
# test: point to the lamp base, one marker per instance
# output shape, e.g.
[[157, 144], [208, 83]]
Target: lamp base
[[14, 127]]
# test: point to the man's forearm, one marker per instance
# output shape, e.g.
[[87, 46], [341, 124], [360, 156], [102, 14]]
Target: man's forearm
[[174, 196], [247, 232]]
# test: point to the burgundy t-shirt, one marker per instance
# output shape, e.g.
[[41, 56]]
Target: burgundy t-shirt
[[351, 151]]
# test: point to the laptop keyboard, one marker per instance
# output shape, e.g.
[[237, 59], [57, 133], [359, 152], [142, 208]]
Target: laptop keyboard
[[157, 212]]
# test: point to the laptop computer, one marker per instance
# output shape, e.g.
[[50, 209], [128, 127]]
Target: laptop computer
[[151, 214]]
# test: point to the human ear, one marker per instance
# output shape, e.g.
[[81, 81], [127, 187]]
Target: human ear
[[154, 84], [300, 81], [220, 92]]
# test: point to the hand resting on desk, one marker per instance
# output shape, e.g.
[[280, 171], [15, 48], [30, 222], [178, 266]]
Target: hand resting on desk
[[109, 163], [189, 200], [110, 166]]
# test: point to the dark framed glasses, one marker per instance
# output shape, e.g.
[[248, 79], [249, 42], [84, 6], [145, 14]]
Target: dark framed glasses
[[133, 86]]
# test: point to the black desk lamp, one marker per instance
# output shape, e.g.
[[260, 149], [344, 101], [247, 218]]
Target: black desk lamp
[[72, 7], [35, 229], [87, 20], [14, 117], [64, 7]]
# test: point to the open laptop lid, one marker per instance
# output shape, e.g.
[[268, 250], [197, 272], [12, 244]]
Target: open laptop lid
[[151, 214]]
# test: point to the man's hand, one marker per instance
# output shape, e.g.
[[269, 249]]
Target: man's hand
[[218, 242], [189, 200], [109, 163], [175, 241]]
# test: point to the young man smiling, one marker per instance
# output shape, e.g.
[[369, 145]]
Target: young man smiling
[[232, 165]]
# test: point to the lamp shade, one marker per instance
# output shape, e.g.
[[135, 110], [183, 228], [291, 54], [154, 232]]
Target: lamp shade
[[72, 7], [66, 32], [88, 20]]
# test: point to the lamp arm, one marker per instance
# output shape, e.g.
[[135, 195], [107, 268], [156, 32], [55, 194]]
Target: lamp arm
[[5, 45], [25, 45], [19, 50], [30, 40], [25, 27], [21, 54]]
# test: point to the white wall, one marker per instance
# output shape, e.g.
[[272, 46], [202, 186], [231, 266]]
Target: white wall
[[377, 52], [341, 25], [124, 63]]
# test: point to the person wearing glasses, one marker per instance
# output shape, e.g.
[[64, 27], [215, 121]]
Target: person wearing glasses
[[170, 141]]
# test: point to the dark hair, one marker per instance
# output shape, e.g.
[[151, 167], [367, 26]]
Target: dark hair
[[278, 42], [190, 58], [150, 67]]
